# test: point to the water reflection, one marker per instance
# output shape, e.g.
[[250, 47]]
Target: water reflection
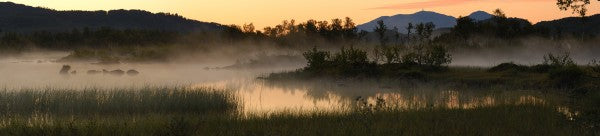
[[268, 96], [260, 96]]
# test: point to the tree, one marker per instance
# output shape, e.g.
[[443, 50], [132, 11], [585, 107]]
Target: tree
[[437, 55], [349, 29], [408, 30], [362, 34], [248, 28], [499, 13], [578, 6], [464, 27], [310, 28], [336, 29], [380, 30], [396, 35], [424, 31]]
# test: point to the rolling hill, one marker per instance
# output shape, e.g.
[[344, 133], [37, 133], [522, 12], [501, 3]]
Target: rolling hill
[[401, 20], [22, 18]]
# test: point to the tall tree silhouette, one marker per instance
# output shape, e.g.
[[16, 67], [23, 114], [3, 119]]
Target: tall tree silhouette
[[380, 30], [409, 29]]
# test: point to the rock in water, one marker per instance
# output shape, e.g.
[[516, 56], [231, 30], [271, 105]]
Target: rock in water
[[132, 72], [117, 72], [93, 72], [65, 70]]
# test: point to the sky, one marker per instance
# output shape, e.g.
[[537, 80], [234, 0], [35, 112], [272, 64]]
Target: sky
[[264, 13]]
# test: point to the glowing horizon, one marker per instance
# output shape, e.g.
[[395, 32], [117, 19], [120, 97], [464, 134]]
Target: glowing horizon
[[271, 12]]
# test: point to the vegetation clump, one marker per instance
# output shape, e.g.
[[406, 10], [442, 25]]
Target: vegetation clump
[[510, 66], [89, 102]]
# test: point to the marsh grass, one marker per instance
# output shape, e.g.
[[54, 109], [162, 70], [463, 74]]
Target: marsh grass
[[497, 120], [157, 100], [205, 111]]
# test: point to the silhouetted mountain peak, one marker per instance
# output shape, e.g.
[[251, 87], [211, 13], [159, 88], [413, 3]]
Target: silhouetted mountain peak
[[480, 15], [424, 12], [401, 20]]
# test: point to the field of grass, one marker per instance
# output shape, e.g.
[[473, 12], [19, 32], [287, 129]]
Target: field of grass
[[94, 102], [205, 111], [498, 120]]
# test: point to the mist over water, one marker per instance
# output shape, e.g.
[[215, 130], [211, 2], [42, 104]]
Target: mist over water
[[530, 52], [41, 70]]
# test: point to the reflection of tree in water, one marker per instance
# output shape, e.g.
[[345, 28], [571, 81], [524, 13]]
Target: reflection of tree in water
[[409, 95]]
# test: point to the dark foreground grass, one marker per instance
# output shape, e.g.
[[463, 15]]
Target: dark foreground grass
[[181, 111], [499, 120]]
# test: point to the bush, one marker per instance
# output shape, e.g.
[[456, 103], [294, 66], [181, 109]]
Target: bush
[[566, 77], [594, 66], [316, 59], [391, 54], [510, 66], [558, 60], [350, 56], [541, 68], [410, 59], [437, 55]]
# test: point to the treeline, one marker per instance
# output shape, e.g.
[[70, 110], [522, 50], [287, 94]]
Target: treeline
[[504, 31], [304, 33], [355, 62], [388, 42], [86, 38]]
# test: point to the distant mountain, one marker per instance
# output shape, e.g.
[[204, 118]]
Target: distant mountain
[[440, 20], [574, 25], [480, 15], [401, 21], [22, 18]]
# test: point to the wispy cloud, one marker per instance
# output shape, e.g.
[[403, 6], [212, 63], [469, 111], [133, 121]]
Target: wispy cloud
[[424, 4]]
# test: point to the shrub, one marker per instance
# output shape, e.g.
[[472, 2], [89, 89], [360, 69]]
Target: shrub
[[316, 59], [410, 58], [558, 60], [566, 77], [594, 66], [437, 55], [391, 54], [541, 68], [350, 56], [510, 66]]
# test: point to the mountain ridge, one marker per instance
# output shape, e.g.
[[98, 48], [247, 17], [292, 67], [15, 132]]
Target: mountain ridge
[[400, 21], [23, 18]]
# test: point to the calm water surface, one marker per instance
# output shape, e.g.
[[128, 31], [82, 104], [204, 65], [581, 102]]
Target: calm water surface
[[258, 96]]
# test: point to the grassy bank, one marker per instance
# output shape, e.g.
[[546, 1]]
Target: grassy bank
[[430, 66], [498, 120], [205, 111]]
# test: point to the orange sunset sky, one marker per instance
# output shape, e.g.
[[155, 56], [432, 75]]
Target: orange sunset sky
[[271, 12]]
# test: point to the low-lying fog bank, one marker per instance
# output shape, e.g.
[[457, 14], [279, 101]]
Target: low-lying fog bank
[[529, 51], [41, 70]]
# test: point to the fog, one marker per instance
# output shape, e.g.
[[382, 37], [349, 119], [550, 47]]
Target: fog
[[236, 69], [40, 70], [246, 61], [527, 51]]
